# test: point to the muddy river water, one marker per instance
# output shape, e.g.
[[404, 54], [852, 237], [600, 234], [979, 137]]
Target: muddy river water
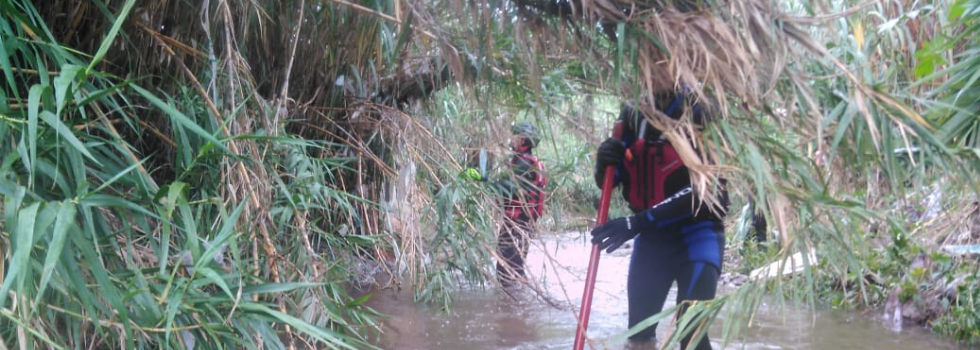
[[485, 319]]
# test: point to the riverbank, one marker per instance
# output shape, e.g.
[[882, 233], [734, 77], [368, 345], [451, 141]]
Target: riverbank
[[919, 280]]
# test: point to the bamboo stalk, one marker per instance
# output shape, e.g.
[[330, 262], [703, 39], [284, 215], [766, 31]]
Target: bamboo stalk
[[283, 96], [284, 92]]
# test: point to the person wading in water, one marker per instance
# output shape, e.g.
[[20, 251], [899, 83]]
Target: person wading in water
[[675, 240], [522, 198]]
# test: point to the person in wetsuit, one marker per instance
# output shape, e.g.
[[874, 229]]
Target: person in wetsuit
[[677, 237], [523, 203]]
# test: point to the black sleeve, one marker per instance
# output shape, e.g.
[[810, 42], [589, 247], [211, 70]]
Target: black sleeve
[[679, 207]]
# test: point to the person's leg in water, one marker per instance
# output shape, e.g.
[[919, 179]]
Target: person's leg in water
[[652, 270], [512, 246], [698, 279]]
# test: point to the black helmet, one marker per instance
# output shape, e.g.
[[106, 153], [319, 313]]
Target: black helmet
[[527, 130]]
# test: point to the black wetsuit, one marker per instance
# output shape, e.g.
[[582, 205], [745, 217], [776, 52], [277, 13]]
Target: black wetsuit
[[687, 241]]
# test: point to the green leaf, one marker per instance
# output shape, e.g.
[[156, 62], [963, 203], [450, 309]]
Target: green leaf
[[189, 226], [107, 291], [174, 303], [65, 220], [930, 56], [102, 200], [180, 118], [227, 231], [115, 178], [846, 118], [363, 299], [22, 236], [33, 109], [63, 85], [28, 327], [175, 193], [213, 276], [111, 36], [66, 133], [8, 72], [957, 9], [277, 287], [45, 217], [329, 338]]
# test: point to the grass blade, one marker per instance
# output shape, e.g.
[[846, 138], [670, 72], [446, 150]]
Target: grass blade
[[22, 237], [33, 109], [213, 276], [63, 85], [180, 118], [66, 133], [270, 288], [113, 32], [102, 200], [331, 340], [65, 220]]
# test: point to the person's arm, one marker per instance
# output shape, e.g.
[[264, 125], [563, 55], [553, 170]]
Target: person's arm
[[674, 210], [510, 184], [526, 172], [678, 207], [668, 212]]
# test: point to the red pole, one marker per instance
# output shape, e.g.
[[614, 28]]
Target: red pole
[[601, 217]]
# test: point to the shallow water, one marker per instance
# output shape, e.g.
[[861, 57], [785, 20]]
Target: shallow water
[[493, 319]]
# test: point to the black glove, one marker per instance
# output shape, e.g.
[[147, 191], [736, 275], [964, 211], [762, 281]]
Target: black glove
[[615, 232], [611, 152]]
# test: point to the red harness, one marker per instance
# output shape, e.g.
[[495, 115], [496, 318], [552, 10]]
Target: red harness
[[525, 202], [649, 164]]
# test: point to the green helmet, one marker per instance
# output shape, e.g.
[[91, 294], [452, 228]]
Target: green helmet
[[527, 130]]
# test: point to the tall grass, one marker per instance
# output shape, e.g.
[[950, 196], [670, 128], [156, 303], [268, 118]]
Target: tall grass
[[222, 235]]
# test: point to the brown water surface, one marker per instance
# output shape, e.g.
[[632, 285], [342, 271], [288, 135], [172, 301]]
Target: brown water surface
[[494, 320]]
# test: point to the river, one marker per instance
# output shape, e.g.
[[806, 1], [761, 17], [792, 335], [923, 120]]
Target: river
[[490, 319]]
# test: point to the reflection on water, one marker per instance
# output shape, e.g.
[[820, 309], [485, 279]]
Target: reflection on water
[[493, 319]]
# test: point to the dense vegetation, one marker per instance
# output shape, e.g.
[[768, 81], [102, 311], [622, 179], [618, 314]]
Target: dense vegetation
[[231, 173]]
